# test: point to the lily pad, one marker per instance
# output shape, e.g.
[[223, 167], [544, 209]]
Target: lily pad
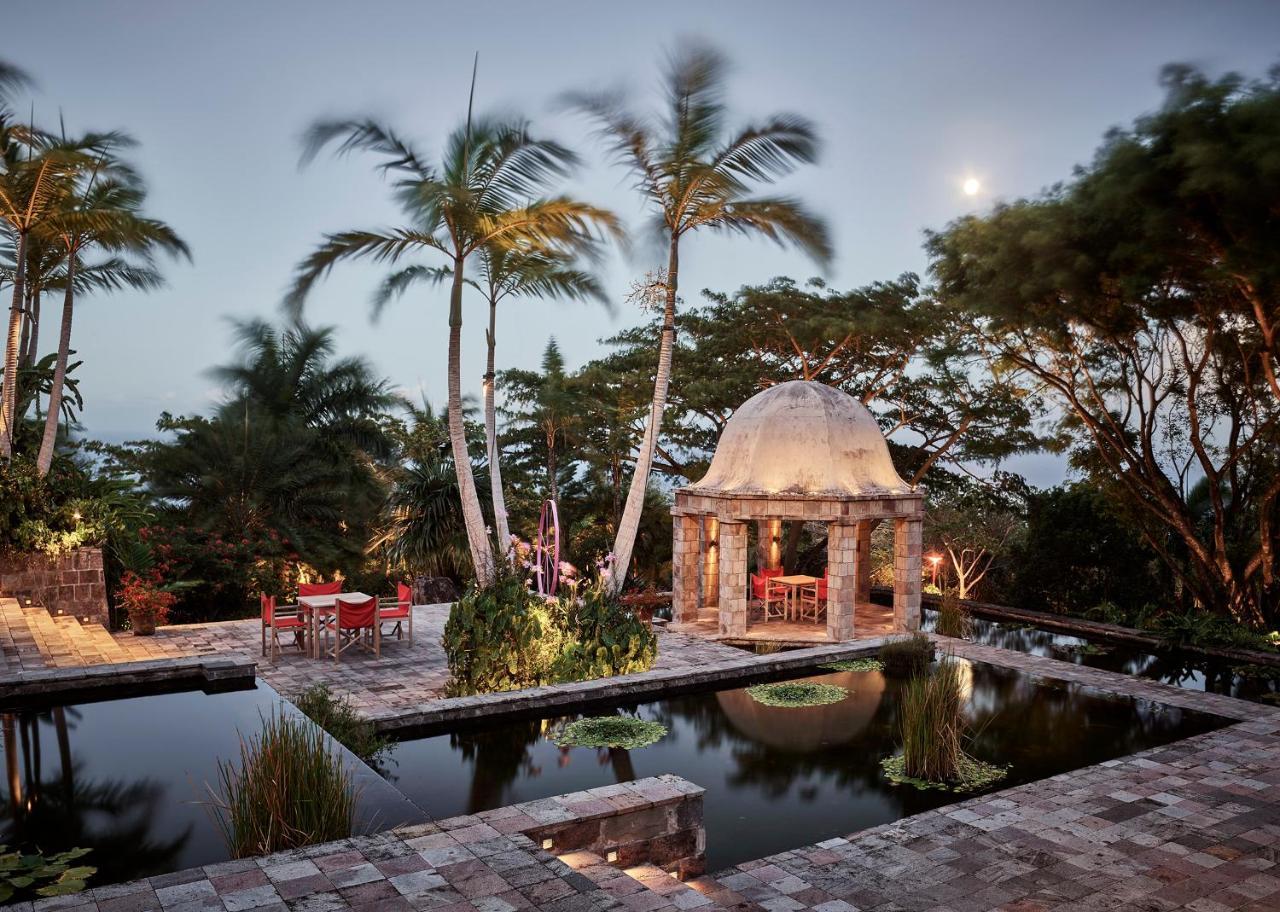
[[611, 731], [974, 775], [797, 693], [854, 665]]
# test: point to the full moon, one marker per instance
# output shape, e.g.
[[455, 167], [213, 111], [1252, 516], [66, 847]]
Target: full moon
[[971, 187]]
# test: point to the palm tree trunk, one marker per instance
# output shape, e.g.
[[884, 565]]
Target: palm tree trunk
[[45, 459], [629, 527], [500, 526], [33, 320], [472, 516], [9, 403]]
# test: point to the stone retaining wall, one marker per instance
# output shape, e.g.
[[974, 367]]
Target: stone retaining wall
[[656, 821], [71, 584]]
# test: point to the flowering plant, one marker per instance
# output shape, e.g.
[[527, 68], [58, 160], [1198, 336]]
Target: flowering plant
[[146, 601]]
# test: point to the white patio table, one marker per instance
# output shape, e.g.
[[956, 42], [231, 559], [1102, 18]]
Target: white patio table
[[324, 607]]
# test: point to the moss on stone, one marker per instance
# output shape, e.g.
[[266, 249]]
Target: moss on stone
[[797, 693], [611, 731]]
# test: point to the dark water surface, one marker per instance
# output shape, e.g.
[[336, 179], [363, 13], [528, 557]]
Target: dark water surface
[[128, 779], [778, 778], [1173, 666]]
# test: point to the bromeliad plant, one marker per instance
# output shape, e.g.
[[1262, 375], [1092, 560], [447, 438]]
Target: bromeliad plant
[[19, 874]]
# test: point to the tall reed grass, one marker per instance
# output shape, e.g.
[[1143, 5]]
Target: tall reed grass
[[953, 617], [908, 655], [289, 790], [932, 720]]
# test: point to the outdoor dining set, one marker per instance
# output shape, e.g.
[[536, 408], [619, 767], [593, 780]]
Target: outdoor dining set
[[326, 621], [784, 596]]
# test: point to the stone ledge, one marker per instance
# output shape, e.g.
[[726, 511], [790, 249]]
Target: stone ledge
[[59, 681], [642, 685]]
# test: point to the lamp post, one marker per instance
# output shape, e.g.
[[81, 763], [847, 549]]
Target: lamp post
[[934, 561]]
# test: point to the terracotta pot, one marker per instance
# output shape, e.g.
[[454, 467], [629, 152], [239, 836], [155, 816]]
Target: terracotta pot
[[143, 628]]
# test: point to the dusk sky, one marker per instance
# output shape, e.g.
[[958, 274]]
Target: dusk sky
[[911, 98]]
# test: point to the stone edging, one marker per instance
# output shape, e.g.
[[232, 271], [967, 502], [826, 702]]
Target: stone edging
[[646, 684], [225, 670]]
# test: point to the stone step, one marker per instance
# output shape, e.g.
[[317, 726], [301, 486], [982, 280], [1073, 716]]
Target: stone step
[[642, 888]]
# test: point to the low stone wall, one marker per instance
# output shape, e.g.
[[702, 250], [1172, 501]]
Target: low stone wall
[[655, 821], [72, 584]]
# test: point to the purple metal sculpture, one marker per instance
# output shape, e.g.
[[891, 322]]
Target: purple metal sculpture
[[546, 550]]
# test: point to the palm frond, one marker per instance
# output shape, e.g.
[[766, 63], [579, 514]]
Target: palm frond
[[398, 282], [781, 220], [380, 247]]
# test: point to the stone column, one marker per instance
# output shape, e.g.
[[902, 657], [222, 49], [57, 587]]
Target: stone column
[[862, 563], [686, 568], [710, 562], [841, 580], [733, 578], [907, 550], [768, 544]]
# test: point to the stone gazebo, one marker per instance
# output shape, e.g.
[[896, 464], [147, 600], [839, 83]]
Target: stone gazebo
[[800, 451]]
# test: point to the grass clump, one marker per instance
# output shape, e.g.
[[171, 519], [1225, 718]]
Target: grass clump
[[289, 790], [932, 730], [339, 718], [797, 693], [908, 655], [611, 731], [953, 618], [854, 665]]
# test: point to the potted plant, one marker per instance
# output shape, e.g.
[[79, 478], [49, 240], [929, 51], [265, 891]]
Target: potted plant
[[145, 600]]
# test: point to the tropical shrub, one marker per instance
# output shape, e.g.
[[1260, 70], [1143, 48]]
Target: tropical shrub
[[602, 636], [20, 873], [337, 716], [502, 637], [289, 790], [908, 655]]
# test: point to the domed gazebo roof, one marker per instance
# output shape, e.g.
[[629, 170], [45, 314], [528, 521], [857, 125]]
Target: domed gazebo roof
[[802, 439]]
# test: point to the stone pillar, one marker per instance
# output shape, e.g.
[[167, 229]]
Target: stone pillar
[[907, 550], [733, 578], [841, 581], [862, 563], [686, 568], [710, 562], [768, 544]]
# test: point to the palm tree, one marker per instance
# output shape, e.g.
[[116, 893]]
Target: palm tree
[[549, 408], [505, 273], [487, 193], [694, 174], [104, 213]]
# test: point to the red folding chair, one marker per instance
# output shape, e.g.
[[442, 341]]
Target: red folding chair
[[398, 609], [770, 594], [354, 624], [333, 588], [277, 619]]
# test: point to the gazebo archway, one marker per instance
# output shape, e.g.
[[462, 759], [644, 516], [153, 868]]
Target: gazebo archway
[[804, 452]]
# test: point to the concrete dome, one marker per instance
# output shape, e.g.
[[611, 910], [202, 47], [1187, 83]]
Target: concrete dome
[[802, 438]]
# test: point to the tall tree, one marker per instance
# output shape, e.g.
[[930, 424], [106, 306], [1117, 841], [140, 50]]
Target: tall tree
[[1140, 295], [504, 273], [695, 174], [104, 212], [489, 191], [545, 404]]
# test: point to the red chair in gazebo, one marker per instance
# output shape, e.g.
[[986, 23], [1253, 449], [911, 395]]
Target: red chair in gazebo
[[320, 588], [399, 610], [276, 619], [772, 597], [354, 624], [813, 599]]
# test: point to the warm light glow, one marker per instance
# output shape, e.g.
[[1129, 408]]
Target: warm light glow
[[972, 186], [76, 516], [546, 843], [934, 559], [611, 857]]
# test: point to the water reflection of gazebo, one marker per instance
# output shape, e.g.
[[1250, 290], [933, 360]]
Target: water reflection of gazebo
[[798, 452]]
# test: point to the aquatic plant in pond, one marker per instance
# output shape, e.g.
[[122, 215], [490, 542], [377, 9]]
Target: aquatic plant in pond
[[57, 876], [611, 731], [932, 729], [907, 655], [797, 694], [337, 716], [953, 618], [289, 790], [854, 665]]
